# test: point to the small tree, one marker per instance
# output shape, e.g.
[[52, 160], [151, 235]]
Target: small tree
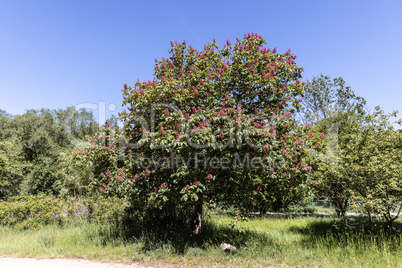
[[373, 158], [332, 107], [213, 126]]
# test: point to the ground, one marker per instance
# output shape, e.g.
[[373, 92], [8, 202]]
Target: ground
[[59, 263]]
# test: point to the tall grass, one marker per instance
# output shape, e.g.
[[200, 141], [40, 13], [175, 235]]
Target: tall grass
[[278, 242]]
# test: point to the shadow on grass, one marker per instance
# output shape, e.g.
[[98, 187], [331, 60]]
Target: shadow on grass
[[349, 231], [172, 232]]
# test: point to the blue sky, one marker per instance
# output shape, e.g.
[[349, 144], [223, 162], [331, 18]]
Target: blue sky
[[55, 54]]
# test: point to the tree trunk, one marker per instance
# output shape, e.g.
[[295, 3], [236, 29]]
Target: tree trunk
[[263, 211], [197, 217]]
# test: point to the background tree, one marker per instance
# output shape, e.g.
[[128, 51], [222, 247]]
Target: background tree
[[373, 162], [112, 121], [332, 107], [12, 164], [35, 151], [217, 113], [325, 98]]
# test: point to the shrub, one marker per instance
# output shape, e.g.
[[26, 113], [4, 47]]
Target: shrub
[[27, 212]]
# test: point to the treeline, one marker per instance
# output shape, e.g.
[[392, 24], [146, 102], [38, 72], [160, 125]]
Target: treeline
[[359, 166], [36, 148]]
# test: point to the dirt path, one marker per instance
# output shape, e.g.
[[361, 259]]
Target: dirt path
[[6, 262]]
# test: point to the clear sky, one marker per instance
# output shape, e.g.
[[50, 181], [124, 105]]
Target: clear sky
[[59, 53]]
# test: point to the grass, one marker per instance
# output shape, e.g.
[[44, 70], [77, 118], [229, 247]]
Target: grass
[[277, 242]]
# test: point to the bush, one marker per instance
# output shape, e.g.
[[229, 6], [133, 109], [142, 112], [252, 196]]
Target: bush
[[27, 212]]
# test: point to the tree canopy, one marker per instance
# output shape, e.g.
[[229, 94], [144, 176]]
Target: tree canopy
[[213, 126]]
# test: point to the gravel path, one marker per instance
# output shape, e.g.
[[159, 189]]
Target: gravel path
[[59, 263]]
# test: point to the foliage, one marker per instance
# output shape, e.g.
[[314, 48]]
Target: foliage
[[325, 98], [213, 126], [12, 167], [375, 170], [27, 212], [333, 108], [34, 148]]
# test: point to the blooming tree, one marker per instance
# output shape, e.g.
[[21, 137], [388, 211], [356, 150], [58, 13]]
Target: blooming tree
[[213, 126]]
